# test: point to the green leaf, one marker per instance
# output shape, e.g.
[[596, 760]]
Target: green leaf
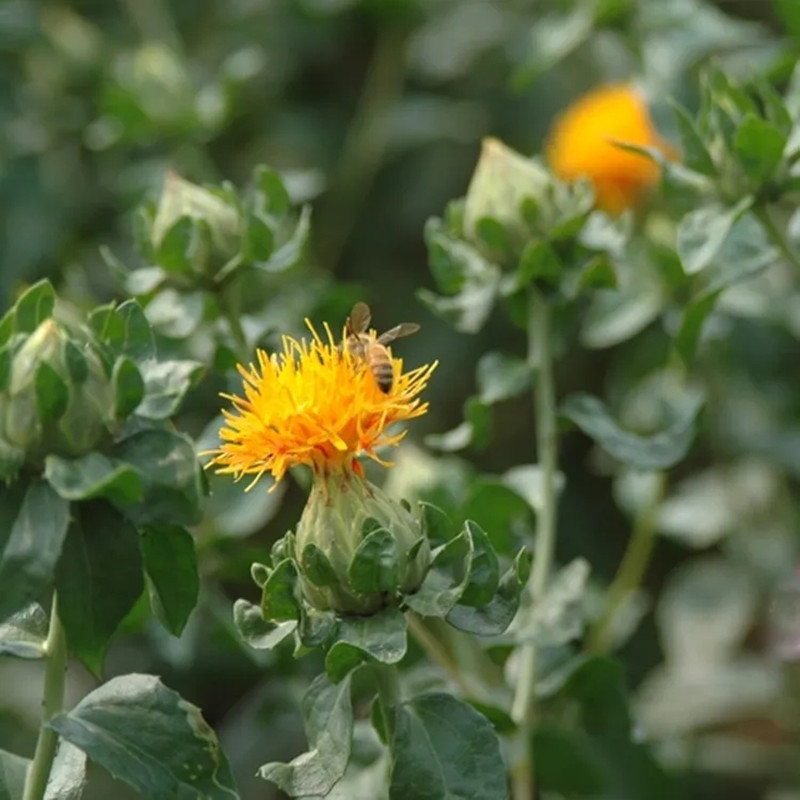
[[444, 749], [172, 254], [259, 240], [273, 195], [77, 366], [492, 618], [379, 637], [614, 316], [317, 567], [124, 330], [759, 146], [292, 251], [128, 387], [150, 737], [501, 376], [28, 561], [52, 394], [695, 154], [171, 566], [68, 776], [92, 476], [99, 578], [255, 630], [538, 262], [12, 775], [374, 568], [23, 634], [279, 596], [171, 479], [175, 314], [328, 714], [34, 306], [498, 509], [701, 233], [657, 451], [165, 385], [436, 525], [473, 431], [482, 568], [694, 316]]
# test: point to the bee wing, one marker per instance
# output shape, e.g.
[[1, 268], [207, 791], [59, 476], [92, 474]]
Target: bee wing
[[359, 318], [403, 329]]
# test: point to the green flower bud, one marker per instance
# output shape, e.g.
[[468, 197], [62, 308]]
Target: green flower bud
[[181, 198], [57, 398], [502, 180], [357, 549]]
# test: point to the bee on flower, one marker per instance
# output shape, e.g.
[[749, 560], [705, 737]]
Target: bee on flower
[[315, 404]]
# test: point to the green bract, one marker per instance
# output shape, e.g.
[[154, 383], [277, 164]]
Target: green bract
[[357, 548], [57, 397]]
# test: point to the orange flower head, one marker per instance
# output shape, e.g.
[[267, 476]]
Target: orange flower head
[[581, 145], [314, 403]]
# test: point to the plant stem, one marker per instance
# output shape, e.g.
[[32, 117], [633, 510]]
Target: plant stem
[[632, 568], [365, 143], [55, 654], [540, 359], [439, 654], [777, 235], [388, 694]]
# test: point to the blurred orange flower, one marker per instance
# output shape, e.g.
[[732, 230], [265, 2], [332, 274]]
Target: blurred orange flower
[[581, 144]]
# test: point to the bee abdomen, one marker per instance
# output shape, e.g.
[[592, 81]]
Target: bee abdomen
[[383, 372]]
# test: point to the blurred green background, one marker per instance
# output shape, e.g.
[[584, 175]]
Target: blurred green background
[[373, 112]]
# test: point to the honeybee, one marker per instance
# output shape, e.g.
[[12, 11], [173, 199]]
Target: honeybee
[[372, 349]]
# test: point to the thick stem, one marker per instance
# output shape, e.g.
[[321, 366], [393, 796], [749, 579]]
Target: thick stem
[[632, 568], [777, 236], [541, 361], [55, 654], [388, 694]]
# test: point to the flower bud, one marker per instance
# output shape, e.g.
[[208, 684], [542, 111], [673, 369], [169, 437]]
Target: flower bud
[[357, 549], [57, 398], [502, 180], [181, 198]]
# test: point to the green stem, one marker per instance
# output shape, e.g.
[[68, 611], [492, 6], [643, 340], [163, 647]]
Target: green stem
[[230, 304], [388, 694], [366, 142], [55, 654], [632, 568], [540, 358], [777, 235]]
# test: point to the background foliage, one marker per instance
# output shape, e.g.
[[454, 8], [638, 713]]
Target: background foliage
[[373, 113]]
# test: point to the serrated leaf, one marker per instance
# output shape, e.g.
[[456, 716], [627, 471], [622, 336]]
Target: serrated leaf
[[492, 618], [171, 566], [375, 568], [444, 749], [759, 147], [657, 451], [34, 306], [124, 330], [52, 394], [99, 578], [92, 476], [23, 634], [165, 385], [701, 233], [436, 525], [501, 376], [170, 474], [150, 737], [483, 568], [28, 560], [379, 637], [328, 714], [255, 630]]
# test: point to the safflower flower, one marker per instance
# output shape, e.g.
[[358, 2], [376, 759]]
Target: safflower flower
[[318, 405], [581, 144]]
